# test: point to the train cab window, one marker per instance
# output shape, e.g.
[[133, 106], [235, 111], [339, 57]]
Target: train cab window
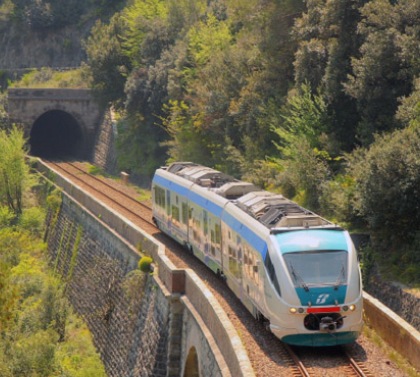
[[317, 268], [272, 273]]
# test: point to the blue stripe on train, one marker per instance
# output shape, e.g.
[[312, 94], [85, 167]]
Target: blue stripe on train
[[247, 234]]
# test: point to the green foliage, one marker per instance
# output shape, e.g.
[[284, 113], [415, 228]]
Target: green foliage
[[33, 219], [327, 41], [145, 264], [53, 14], [49, 78], [6, 216], [139, 17], [275, 92], [40, 334], [107, 60], [386, 196], [54, 201], [387, 180], [14, 173], [304, 166], [386, 67]]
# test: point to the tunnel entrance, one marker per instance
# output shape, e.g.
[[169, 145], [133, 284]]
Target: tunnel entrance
[[55, 134]]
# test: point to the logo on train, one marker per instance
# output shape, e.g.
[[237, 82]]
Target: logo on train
[[322, 298]]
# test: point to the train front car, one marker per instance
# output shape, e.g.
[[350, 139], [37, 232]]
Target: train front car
[[322, 286]]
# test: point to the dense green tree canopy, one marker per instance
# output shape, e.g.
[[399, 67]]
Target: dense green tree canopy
[[279, 92]]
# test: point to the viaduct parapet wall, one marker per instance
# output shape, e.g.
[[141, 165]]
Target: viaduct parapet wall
[[161, 324]]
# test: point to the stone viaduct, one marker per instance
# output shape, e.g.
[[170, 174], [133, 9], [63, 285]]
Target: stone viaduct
[[165, 324]]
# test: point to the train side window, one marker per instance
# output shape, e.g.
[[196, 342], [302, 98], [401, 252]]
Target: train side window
[[272, 273], [184, 213], [160, 196], [217, 234], [175, 213], [234, 266], [205, 222], [212, 239], [168, 201]]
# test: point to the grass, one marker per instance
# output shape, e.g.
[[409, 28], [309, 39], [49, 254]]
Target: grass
[[49, 78], [390, 352]]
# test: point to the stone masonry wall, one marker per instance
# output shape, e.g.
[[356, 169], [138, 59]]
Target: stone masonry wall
[[104, 151], [128, 316], [394, 297]]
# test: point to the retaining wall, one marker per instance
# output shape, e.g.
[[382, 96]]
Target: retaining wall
[[393, 329]]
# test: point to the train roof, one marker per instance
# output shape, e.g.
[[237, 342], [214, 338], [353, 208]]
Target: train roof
[[274, 211]]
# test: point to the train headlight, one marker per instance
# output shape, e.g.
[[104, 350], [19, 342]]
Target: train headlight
[[352, 308], [296, 310]]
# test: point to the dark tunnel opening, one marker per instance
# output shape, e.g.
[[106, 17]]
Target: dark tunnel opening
[[55, 134]]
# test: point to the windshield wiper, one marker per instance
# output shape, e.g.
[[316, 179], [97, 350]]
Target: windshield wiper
[[340, 278], [297, 277]]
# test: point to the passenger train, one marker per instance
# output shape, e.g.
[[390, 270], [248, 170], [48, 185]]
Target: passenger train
[[288, 266]]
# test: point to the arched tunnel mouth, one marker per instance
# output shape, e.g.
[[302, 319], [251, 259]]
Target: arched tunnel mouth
[[56, 134]]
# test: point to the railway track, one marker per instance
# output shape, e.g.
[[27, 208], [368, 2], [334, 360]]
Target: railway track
[[268, 355], [301, 366], [96, 185]]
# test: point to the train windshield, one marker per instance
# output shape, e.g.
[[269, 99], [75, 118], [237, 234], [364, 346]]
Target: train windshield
[[317, 268]]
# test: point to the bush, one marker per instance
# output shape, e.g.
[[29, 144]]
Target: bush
[[387, 178], [32, 219], [6, 217], [145, 264]]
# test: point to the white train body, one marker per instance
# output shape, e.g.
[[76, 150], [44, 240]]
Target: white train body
[[287, 265]]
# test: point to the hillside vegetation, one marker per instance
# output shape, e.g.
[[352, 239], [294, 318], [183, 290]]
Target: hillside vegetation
[[318, 99], [40, 335]]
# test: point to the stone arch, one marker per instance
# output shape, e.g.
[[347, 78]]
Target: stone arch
[[191, 364], [56, 134]]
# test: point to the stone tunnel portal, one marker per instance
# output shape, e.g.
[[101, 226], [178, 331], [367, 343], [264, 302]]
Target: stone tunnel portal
[[56, 134]]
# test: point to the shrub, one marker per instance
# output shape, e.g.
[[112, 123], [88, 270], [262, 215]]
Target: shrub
[[33, 219], [145, 264], [6, 216]]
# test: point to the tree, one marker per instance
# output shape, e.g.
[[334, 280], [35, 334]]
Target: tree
[[302, 161], [387, 180], [14, 172], [327, 38], [107, 61], [387, 64]]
